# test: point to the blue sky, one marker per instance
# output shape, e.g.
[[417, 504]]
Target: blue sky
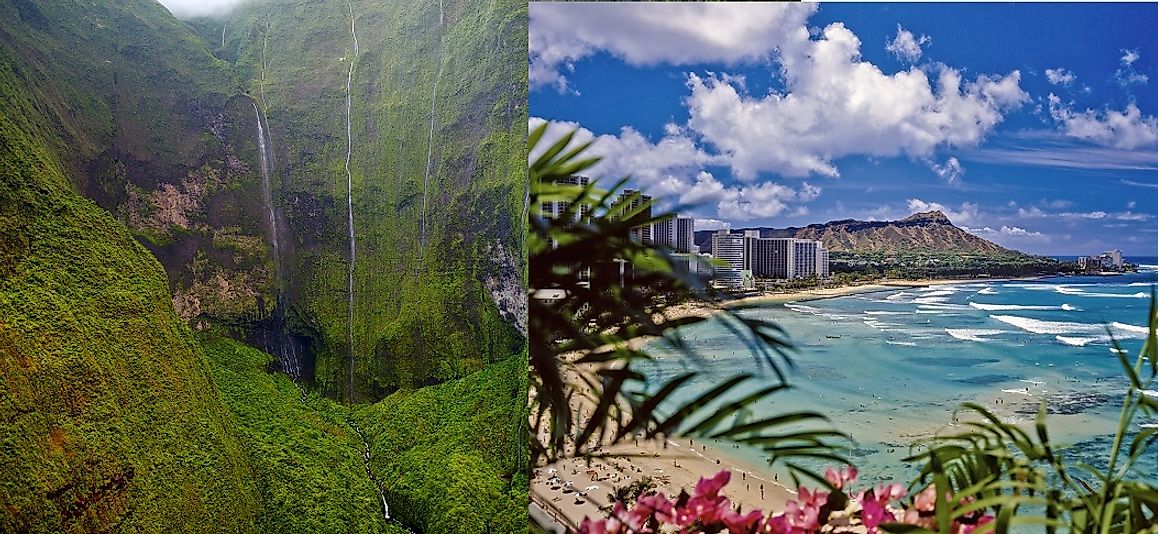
[[1030, 125]]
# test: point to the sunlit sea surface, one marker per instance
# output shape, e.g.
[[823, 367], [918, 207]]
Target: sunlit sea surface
[[891, 367]]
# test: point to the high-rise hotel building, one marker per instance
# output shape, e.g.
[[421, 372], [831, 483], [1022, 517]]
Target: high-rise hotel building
[[771, 257]]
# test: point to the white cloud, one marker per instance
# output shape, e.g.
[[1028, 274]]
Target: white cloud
[[743, 203], [837, 105], [711, 224], [1032, 212], [185, 9], [1127, 75], [1124, 130], [1083, 215], [951, 171], [1131, 216], [906, 46], [657, 168], [646, 34], [967, 214], [1060, 76], [1131, 204], [1007, 231], [663, 170], [1129, 57]]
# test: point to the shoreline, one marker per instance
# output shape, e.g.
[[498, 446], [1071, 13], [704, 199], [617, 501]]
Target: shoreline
[[678, 465], [674, 465]]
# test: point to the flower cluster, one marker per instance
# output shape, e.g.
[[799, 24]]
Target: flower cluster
[[708, 511]]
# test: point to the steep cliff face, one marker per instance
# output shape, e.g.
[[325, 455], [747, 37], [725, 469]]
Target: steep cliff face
[[400, 177], [378, 242], [109, 418]]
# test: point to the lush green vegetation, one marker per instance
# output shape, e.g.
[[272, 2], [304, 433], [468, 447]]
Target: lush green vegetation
[[109, 415], [419, 304], [916, 265], [307, 461], [453, 457], [109, 419], [154, 122]]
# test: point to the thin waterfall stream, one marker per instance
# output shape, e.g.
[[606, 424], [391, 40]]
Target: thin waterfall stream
[[430, 139], [286, 347], [370, 472], [350, 207]]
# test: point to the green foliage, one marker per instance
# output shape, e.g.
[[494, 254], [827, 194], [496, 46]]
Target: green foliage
[[917, 264], [109, 420], [453, 457], [587, 333], [307, 461], [418, 307], [1024, 478]]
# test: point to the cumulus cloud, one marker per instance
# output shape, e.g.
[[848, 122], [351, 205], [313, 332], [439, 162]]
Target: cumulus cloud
[[966, 214], [647, 34], [1126, 130], [657, 167], [186, 9], [1060, 76], [665, 168], [747, 202], [906, 46], [835, 104], [951, 171]]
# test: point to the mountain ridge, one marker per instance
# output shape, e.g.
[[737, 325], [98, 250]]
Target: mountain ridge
[[930, 231]]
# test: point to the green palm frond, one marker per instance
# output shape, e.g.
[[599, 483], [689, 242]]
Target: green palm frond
[[588, 328]]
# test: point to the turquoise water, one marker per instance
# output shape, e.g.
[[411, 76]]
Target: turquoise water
[[890, 367]]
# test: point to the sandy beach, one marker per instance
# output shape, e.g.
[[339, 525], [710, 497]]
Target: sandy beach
[[673, 468]]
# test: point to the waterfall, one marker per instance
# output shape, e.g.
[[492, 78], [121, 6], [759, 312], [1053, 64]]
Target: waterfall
[[369, 472], [226, 25], [285, 346], [430, 139], [350, 208]]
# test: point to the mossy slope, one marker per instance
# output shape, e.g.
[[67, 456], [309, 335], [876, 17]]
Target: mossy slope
[[307, 461], [453, 457], [109, 419]]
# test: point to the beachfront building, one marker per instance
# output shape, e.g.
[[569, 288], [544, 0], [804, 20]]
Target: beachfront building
[[685, 234], [1110, 260], [556, 209], [729, 247], [1115, 257], [630, 200], [771, 257], [663, 233]]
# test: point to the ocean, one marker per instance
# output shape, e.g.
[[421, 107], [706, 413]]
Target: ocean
[[891, 367]]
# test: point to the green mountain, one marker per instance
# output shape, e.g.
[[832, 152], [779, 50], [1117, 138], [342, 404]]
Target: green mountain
[[174, 194], [108, 413]]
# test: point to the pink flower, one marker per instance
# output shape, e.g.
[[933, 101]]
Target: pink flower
[[926, 501], [655, 504], [839, 479], [710, 487], [742, 524], [603, 526], [874, 505], [965, 528]]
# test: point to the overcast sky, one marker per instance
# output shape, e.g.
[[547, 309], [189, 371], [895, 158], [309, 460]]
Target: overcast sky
[[199, 8], [1030, 125]]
